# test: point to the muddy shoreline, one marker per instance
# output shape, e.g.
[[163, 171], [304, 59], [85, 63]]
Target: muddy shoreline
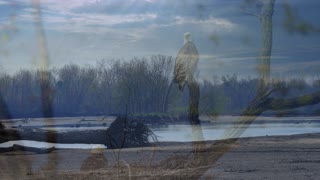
[[269, 157]]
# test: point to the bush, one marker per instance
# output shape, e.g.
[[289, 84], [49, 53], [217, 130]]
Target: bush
[[128, 133]]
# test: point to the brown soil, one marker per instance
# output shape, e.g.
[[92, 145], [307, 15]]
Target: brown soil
[[278, 157]]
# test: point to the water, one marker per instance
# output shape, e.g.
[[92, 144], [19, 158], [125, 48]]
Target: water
[[183, 133], [263, 126]]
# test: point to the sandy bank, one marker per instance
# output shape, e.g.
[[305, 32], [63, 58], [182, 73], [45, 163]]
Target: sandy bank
[[276, 157]]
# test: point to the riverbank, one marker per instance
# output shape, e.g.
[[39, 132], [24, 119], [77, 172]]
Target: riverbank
[[269, 157]]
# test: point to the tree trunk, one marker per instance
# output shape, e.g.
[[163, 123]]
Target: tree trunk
[[166, 100], [197, 134], [266, 44], [4, 111], [194, 95]]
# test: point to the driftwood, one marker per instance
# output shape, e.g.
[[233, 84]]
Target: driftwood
[[123, 133], [29, 149], [36, 134]]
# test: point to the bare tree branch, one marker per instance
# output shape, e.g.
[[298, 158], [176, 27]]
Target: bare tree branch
[[250, 13], [282, 104]]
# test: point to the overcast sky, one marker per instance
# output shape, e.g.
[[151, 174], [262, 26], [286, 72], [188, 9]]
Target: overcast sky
[[85, 31]]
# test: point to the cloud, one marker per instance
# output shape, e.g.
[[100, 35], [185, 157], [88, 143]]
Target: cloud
[[101, 16], [68, 22], [218, 23], [128, 27], [57, 5], [95, 19], [4, 3], [84, 30]]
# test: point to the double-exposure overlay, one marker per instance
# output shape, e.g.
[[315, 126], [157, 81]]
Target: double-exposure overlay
[[159, 89]]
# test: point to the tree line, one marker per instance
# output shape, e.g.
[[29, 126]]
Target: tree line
[[138, 86]]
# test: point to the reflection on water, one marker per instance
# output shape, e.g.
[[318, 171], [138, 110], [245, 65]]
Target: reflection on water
[[182, 133]]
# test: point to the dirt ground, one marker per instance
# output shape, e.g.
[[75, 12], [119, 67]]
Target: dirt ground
[[277, 157]]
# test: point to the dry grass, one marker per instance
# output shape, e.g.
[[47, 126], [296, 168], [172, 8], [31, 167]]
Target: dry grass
[[249, 158]]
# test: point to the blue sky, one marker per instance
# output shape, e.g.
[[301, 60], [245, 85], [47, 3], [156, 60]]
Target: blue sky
[[85, 31]]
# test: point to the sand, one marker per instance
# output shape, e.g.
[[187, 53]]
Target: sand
[[273, 157]]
